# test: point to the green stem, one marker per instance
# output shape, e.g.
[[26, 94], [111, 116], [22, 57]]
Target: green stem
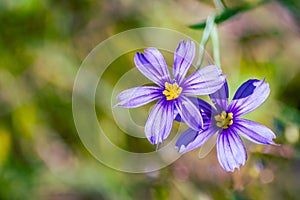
[[219, 5], [216, 47], [206, 34]]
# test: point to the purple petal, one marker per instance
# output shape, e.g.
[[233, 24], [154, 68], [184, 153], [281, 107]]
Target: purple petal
[[177, 116], [249, 96], [154, 56], [189, 113], [191, 139], [187, 137], [205, 81], [160, 120], [152, 64], [220, 97], [204, 108], [183, 59], [231, 150], [254, 132], [138, 96]]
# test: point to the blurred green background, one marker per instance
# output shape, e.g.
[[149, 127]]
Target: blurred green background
[[42, 44]]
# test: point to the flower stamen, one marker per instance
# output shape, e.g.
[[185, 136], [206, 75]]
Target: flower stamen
[[224, 120], [172, 91]]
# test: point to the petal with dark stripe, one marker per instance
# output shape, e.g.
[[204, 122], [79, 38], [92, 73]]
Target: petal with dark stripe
[[160, 121], [220, 97], [183, 59], [153, 66], [249, 96], [191, 139], [254, 131], [230, 150], [138, 96], [205, 110], [204, 81], [189, 113]]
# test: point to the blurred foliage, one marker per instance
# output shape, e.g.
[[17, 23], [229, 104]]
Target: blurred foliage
[[229, 13], [42, 44]]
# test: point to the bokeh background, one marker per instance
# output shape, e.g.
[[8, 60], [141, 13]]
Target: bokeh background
[[42, 45]]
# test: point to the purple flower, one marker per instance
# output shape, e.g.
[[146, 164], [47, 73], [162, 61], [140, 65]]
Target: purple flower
[[225, 120], [171, 92]]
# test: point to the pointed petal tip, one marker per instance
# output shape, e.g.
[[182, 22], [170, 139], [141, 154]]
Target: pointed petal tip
[[153, 140], [156, 148], [192, 43], [137, 55], [232, 170], [120, 104], [150, 49], [187, 41], [116, 105], [223, 77], [181, 149], [275, 144]]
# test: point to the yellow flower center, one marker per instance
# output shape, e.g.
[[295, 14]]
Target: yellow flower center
[[172, 91], [224, 120]]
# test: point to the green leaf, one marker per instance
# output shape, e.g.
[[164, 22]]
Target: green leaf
[[223, 16], [229, 13]]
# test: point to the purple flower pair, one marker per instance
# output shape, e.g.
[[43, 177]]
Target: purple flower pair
[[177, 101]]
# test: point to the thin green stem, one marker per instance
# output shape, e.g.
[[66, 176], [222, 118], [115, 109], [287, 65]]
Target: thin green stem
[[216, 48], [219, 5], [206, 34]]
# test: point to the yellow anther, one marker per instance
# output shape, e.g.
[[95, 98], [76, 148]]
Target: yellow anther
[[224, 120], [172, 91]]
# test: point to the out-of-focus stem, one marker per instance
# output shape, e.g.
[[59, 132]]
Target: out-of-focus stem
[[206, 33], [216, 47]]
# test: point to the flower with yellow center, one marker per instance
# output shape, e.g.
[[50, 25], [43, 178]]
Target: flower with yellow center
[[172, 91], [231, 151], [224, 120]]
